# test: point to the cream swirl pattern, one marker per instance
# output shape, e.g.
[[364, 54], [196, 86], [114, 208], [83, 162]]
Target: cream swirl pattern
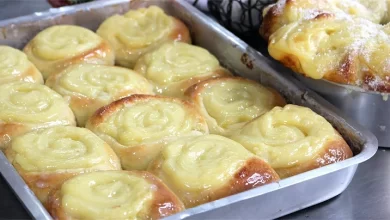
[[46, 157], [59, 46], [137, 126], [203, 168], [174, 67], [14, 66], [29, 106], [114, 195], [228, 103], [293, 139], [140, 31], [89, 87]]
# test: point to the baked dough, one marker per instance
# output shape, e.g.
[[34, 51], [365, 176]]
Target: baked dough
[[227, 103], [89, 87], [14, 66], [140, 31], [293, 140], [137, 126], [45, 158], [176, 66], [59, 46], [201, 169], [113, 195], [30, 106]]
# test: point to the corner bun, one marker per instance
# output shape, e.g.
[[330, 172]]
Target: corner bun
[[114, 195], [205, 168], [59, 46], [137, 126]]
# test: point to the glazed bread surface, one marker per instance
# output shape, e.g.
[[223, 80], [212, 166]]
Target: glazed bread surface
[[140, 31], [14, 66], [89, 87], [227, 103], [204, 168], [59, 46], [137, 126], [113, 195], [175, 66], [47, 157], [293, 140], [30, 106]]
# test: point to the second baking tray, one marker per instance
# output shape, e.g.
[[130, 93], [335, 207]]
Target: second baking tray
[[266, 202]]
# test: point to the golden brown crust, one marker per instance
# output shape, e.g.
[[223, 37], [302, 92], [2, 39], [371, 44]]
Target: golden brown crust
[[9, 130], [254, 173], [334, 151], [164, 202], [180, 32]]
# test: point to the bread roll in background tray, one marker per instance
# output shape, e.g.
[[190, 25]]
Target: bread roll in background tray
[[204, 168], [47, 157], [140, 31], [89, 87], [30, 106], [14, 66], [175, 66], [59, 46], [137, 126], [227, 103], [293, 140], [113, 195]]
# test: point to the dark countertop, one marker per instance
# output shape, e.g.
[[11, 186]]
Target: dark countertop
[[367, 197]]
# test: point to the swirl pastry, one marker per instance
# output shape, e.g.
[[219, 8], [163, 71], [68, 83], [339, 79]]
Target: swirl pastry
[[201, 169], [227, 103], [14, 66], [47, 157], [113, 195], [59, 46], [293, 140], [140, 31], [137, 126], [29, 106], [287, 11], [89, 87], [176, 66]]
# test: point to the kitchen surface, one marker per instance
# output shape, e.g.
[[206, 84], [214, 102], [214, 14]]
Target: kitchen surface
[[367, 196]]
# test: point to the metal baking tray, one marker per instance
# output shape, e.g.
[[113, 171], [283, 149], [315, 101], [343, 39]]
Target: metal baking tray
[[266, 202]]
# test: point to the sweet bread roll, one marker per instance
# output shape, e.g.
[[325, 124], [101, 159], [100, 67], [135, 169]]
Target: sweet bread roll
[[140, 31], [113, 195], [30, 106], [89, 87], [227, 103], [45, 158], [201, 169], [293, 140], [14, 66], [137, 126], [59, 46], [287, 11], [176, 66]]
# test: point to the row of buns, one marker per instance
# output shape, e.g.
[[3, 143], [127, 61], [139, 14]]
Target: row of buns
[[166, 129]]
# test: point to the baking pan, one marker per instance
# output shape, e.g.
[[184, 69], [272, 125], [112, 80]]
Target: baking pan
[[266, 202]]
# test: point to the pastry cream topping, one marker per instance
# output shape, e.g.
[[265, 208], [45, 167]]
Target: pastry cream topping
[[22, 102], [13, 66], [286, 136], [231, 103], [108, 195], [63, 148], [195, 164], [106, 83], [150, 120], [176, 62], [137, 28], [64, 41]]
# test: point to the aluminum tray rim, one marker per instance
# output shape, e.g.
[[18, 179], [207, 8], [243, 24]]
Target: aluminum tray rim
[[368, 148]]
